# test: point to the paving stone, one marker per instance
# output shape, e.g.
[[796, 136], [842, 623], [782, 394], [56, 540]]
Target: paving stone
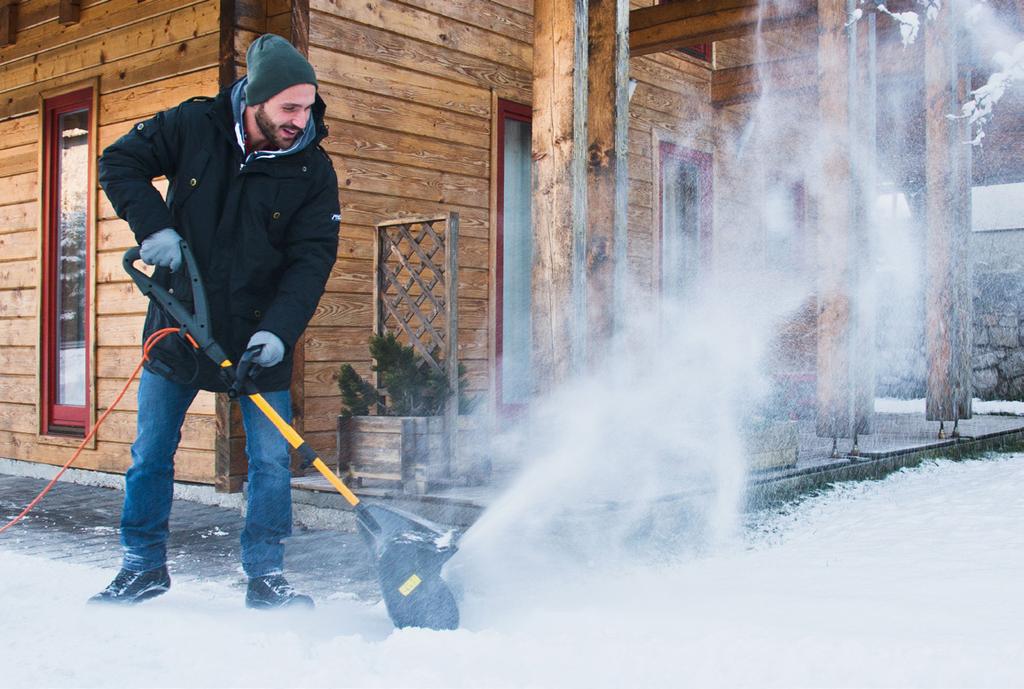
[[78, 524]]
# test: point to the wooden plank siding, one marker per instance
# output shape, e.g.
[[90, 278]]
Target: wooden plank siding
[[143, 57], [408, 90], [671, 101], [410, 87]]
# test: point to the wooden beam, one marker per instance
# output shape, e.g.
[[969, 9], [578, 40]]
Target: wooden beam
[[8, 22], [738, 84], [607, 168], [69, 12], [948, 212], [833, 211], [692, 22], [893, 60], [559, 191]]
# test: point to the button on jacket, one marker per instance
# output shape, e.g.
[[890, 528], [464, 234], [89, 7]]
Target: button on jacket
[[263, 227]]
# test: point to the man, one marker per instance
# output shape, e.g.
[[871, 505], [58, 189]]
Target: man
[[257, 201]]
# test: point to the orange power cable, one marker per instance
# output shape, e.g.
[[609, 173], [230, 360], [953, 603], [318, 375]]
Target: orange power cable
[[150, 343]]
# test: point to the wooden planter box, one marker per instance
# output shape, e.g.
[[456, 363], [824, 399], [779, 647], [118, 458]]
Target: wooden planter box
[[771, 444], [409, 452]]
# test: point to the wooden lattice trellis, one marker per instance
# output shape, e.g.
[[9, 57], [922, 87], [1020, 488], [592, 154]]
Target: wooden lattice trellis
[[415, 295]]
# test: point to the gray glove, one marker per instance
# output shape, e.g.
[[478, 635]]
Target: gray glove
[[273, 348], [162, 249]]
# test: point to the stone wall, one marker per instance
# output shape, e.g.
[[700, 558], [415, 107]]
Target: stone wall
[[998, 358], [997, 260]]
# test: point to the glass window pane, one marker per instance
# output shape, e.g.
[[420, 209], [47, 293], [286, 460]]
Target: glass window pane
[[517, 261], [784, 242], [680, 258], [72, 176]]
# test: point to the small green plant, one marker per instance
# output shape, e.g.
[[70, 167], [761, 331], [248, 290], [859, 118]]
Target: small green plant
[[413, 387], [357, 396]]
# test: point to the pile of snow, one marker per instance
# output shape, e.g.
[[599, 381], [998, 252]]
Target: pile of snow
[[890, 405], [909, 581]]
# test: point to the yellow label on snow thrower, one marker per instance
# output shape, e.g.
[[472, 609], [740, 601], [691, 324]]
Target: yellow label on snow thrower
[[410, 585]]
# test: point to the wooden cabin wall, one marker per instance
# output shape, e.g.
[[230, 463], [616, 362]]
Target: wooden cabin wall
[[671, 103], [757, 144], [145, 57], [411, 87]]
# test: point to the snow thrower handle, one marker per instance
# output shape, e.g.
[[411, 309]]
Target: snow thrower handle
[[245, 372], [194, 324], [196, 328]]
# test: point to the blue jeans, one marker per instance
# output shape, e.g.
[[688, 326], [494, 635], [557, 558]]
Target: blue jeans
[[149, 483]]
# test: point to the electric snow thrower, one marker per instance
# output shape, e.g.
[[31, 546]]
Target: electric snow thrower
[[409, 551]]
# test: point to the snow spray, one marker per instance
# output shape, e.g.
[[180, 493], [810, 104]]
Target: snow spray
[[640, 462]]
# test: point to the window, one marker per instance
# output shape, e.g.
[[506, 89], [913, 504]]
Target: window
[[685, 232], [66, 192], [513, 345], [702, 51], [786, 244]]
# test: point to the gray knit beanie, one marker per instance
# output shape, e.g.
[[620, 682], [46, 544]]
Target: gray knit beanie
[[273, 65]]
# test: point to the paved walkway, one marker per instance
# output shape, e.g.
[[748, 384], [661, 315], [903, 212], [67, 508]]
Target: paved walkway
[[77, 523]]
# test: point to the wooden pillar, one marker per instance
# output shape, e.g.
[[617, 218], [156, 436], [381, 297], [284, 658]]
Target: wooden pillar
[[226, 52], [559, 189], [300, 39], [834, 211], [865, 189], [229, 454], [948, 211], [300, 26], [607, 168]]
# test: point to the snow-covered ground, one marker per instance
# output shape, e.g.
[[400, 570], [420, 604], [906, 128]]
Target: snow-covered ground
[[915, 580]]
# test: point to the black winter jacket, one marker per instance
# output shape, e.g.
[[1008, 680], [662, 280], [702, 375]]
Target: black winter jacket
[[264, 232]]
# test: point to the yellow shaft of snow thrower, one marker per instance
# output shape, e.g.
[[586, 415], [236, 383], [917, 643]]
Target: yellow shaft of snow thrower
[[296, 441]]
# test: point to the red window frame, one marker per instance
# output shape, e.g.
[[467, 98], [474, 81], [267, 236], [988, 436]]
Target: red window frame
[[507, 110], [672, 152], [701, 51], [62, 419]]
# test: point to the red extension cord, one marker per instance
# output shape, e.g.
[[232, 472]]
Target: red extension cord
[[150, 343]]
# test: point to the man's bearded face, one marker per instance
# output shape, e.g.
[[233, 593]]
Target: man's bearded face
[[282, 118]]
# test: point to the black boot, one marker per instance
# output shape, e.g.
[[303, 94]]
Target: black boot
[[129, 587], [274, 591]]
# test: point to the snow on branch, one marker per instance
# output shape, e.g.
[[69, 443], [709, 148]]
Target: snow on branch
[[909, 22], [978, 110], [931, 8]]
